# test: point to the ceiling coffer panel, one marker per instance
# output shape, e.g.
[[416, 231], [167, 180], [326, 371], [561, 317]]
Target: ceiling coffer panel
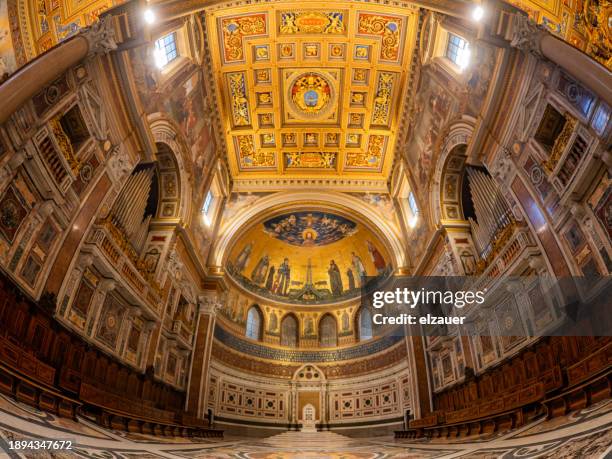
[[313, 91]]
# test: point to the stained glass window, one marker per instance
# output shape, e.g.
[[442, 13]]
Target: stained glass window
[[327, 332], [289, 331], [365, 324], [254, 322]]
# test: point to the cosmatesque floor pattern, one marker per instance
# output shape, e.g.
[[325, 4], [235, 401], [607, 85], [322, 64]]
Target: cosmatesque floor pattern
[[583, 434]]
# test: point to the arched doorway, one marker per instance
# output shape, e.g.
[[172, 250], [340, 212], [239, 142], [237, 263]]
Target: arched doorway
[[309, 418], [309, 399]]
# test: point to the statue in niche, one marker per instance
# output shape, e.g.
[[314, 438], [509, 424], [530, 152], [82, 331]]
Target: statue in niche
[[270, 280], [359, 268], [243, 257], [351, 279], [283, 278], [258, 275], [377, 258], [335, 280]]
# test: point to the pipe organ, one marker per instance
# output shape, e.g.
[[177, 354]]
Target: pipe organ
[[128, 211], [491, 209]]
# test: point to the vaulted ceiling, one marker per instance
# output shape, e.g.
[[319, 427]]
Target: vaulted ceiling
[[313, 91]]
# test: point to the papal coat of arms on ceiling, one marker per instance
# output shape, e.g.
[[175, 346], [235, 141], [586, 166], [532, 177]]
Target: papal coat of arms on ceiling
[[311, 95]]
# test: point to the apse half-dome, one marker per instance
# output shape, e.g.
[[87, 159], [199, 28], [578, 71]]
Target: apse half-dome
[[307, 257]]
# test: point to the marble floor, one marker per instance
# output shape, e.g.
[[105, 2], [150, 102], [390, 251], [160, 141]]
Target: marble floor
[[583, 434]]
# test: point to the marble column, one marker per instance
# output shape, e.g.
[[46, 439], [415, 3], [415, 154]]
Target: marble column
[[99, 38], [529, 37], [197, 390]]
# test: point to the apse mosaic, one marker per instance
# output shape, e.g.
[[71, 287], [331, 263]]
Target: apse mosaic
[[307, 257], [309, 228], [312, 91]]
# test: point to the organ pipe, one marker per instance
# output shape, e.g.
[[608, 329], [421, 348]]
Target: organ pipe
[[140, 237], [128, 211], [491, 209]]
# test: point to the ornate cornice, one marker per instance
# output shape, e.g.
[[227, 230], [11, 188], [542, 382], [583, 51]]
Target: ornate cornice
[[333, 183]]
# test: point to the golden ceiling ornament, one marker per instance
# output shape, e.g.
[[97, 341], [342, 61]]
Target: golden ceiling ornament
[[307, 160], [310, 115], [233, 31], [372, 157], [382, 101], [311, 95], [249, 157], [240, 104], [388, 28], [312, 22], [597, 17]]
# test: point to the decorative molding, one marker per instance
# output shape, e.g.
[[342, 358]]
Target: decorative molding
[[333, 183], [261, 351]]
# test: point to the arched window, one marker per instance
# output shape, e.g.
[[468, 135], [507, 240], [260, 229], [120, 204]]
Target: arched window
[[289, 331], [365, 324], [254, 323], [328, 336]]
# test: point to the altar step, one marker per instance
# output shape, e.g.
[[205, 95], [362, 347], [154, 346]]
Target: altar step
[[309, 440]]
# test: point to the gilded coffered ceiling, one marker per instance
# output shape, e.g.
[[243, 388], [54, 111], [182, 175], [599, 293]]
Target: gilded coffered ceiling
[[311, 89]]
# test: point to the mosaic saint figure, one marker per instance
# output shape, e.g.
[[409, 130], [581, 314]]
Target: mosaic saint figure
[[359, 268], [335, 280], [270, 280], [273, 319], [351, 278], [308, 328], [258, 275], [284, 277], [243, 257], [377, 258]]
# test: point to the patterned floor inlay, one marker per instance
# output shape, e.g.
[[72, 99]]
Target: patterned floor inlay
[[584, 434]]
